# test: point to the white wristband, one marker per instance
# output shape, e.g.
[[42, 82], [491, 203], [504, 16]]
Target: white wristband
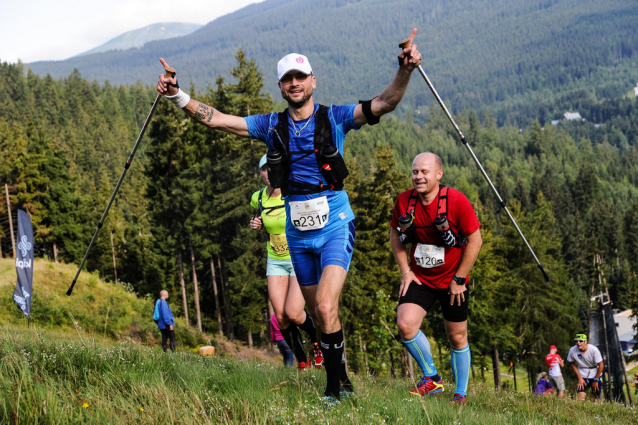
[[180, 100]]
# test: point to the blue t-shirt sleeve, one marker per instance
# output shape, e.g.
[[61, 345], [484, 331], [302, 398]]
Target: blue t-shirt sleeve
[[258, 126], [344, 117]]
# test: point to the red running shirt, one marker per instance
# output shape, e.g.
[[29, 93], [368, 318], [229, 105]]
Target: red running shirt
[[463, 221], [553, 364]]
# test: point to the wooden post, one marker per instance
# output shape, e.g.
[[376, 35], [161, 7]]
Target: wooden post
[[195, 287], [217, 309], [230, 331], [497, 367], [183, 284], [55, 253], [13, 240], [112, 254]]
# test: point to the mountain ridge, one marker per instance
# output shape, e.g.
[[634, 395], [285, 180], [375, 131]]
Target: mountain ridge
[[138, 37], [479, 54]]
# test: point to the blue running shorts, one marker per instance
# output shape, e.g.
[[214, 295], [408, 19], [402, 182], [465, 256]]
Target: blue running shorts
[[310, 256]]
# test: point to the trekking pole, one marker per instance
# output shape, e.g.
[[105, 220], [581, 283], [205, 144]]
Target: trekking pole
[[170, 72], [406, 43]]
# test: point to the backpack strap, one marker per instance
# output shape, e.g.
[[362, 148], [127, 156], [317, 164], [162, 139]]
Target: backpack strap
[[441, 210], [412, 203], [261, 207]]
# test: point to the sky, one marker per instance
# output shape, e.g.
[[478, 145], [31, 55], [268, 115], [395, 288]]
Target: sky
[[38, 30]]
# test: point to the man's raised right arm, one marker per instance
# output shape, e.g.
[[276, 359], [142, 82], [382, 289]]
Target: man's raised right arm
[[200, 112]]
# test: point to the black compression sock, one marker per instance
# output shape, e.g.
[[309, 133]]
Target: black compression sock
[[293, 339], [308, 326], [332, 346], [297, 343]]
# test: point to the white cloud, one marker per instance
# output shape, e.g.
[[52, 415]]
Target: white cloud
[[55, 30]]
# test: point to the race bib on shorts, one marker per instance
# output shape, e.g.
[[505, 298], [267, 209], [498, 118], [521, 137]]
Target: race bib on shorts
[[279, 244], [429, 256], [310, 215]]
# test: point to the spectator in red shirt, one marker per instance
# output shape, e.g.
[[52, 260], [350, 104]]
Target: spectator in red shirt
[[554, 363]]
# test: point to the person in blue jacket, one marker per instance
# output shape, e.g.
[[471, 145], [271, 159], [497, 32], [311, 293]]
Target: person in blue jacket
[[166, 322]]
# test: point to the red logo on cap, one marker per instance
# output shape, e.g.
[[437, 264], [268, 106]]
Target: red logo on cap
[[300, 59]]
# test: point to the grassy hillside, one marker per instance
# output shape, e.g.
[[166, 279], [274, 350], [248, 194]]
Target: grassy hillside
[[479, 53], [50, 377], [96, 307]]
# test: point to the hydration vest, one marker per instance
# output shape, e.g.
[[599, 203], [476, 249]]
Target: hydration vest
[[261, 207], [329, 160], [450, 238]]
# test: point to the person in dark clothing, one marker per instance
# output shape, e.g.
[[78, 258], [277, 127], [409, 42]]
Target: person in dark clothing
[[166, 322]]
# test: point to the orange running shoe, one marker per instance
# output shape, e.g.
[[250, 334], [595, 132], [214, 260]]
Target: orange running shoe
[[458, 399], [427, 386], [318, 356]]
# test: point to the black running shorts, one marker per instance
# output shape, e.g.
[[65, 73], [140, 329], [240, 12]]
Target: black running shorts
[[425, 296]]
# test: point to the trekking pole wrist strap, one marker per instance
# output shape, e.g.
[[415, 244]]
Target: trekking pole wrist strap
[[180, 100]]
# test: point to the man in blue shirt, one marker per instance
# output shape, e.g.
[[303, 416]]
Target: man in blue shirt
[[166, 322], [319, 228]]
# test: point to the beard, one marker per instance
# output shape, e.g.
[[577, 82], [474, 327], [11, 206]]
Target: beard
[[307, 94]]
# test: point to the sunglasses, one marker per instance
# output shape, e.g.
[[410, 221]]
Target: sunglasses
[[301, 77], [581, 340]]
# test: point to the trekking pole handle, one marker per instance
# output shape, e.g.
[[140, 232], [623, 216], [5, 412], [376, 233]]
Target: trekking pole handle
[[170, 72], [407, 43]]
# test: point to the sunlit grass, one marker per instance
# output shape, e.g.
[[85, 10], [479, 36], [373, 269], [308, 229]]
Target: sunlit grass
[[53, 377]]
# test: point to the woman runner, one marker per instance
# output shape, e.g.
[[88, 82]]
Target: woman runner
[[283, 289]]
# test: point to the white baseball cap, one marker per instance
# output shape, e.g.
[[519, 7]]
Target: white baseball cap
[[263, 161], [293, 61]]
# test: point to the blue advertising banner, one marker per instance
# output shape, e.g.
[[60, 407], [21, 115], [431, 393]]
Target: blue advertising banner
[[24, 263]]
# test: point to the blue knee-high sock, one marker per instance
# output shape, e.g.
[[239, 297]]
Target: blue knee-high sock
[[460, 361], [419, 348]]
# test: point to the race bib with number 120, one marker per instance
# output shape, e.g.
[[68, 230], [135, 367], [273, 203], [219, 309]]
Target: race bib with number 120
[[429, 256], [310, 215]]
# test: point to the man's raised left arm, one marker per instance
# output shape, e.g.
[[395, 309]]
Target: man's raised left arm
[[389, 98]]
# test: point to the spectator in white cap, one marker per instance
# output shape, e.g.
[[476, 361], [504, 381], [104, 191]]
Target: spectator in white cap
[[305, 161]]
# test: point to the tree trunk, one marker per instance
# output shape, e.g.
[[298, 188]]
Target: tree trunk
[[183, 284], [514, 375], [219, 312], [195, 287], [55, 253], [497, 368], [483, 368], [13, 241], [112, 254], [250, 338], [227, 307]]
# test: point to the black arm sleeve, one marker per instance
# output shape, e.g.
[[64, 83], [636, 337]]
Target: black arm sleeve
[[367, 111]]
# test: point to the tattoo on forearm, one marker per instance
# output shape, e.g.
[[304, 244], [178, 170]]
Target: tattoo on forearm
[[204, 113]]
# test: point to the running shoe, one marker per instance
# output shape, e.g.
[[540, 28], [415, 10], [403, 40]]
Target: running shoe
[[458, 399], [318, 355], [329, 402], [427, 386], [345, 394]]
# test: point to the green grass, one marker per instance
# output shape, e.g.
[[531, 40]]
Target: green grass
[[99, 307], [54, 377]]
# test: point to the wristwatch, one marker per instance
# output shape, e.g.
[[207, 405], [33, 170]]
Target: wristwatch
[[459, 280]]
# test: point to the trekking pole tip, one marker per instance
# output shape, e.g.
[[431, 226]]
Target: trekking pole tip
[[545, 275], [70, 291]]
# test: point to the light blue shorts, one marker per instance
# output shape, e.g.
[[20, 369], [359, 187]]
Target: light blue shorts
[[310, 256], [279, 267]]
